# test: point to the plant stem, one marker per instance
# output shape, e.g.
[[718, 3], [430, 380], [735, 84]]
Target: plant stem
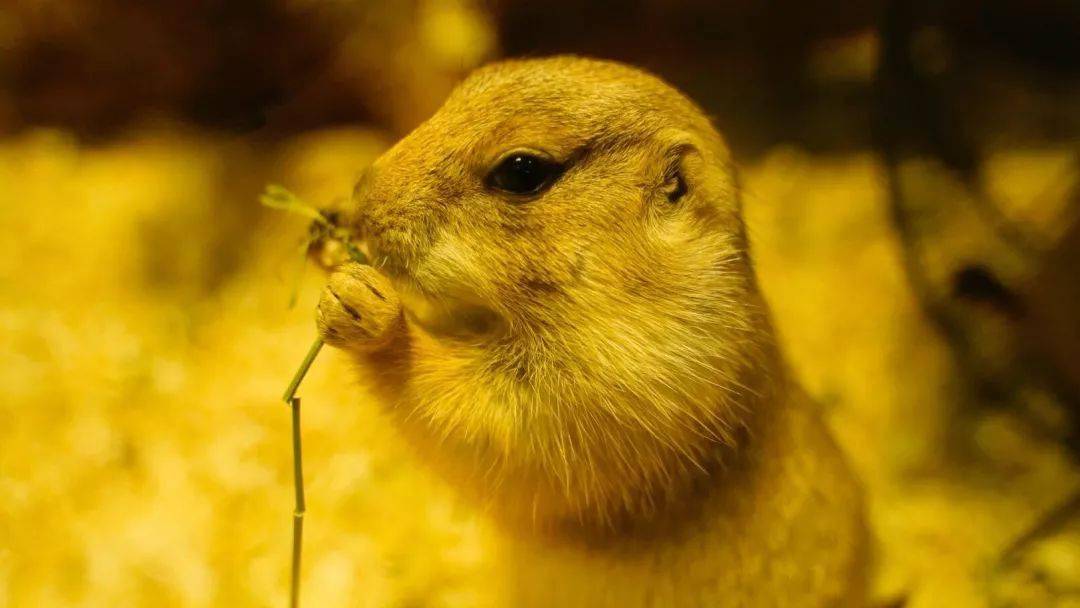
[[301, 507], [280, 198], [298, 471], [300, 373]]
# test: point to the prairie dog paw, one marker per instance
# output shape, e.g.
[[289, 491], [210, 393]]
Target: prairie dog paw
[[359, 309]]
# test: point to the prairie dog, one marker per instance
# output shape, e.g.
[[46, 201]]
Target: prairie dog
[[563, 318]]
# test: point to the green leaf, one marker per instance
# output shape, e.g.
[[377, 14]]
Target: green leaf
[[278, 197]]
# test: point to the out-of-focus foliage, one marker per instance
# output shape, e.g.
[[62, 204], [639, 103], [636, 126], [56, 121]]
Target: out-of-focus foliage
[[145, 333]]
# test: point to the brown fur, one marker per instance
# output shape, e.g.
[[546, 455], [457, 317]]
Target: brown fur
[[595, 364]]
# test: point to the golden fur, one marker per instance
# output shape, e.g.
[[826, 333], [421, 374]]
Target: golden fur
[[594, 364]]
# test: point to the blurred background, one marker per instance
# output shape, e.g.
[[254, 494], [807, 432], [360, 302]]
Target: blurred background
[[912, 175]]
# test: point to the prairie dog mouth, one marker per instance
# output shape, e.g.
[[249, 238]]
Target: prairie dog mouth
[[445, 316], [435, 311]]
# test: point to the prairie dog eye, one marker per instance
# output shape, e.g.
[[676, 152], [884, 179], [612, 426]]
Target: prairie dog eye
[[524, 173]]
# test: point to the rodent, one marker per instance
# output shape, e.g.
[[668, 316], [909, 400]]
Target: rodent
[[562, 317]]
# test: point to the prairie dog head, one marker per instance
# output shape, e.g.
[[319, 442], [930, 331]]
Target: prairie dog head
[[577, 221]]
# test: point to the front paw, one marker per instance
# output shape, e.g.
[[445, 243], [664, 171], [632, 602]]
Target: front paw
[[359, 309]]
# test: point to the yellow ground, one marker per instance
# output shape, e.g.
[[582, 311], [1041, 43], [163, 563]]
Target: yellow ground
[[145, 338]]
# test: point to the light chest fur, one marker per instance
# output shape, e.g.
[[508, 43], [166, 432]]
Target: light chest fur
[[786, 532]]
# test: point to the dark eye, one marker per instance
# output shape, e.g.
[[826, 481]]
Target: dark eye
[[524, 174]]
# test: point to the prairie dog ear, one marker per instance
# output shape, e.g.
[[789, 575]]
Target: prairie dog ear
[[696, 172], [680, 169], [674, 184]]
